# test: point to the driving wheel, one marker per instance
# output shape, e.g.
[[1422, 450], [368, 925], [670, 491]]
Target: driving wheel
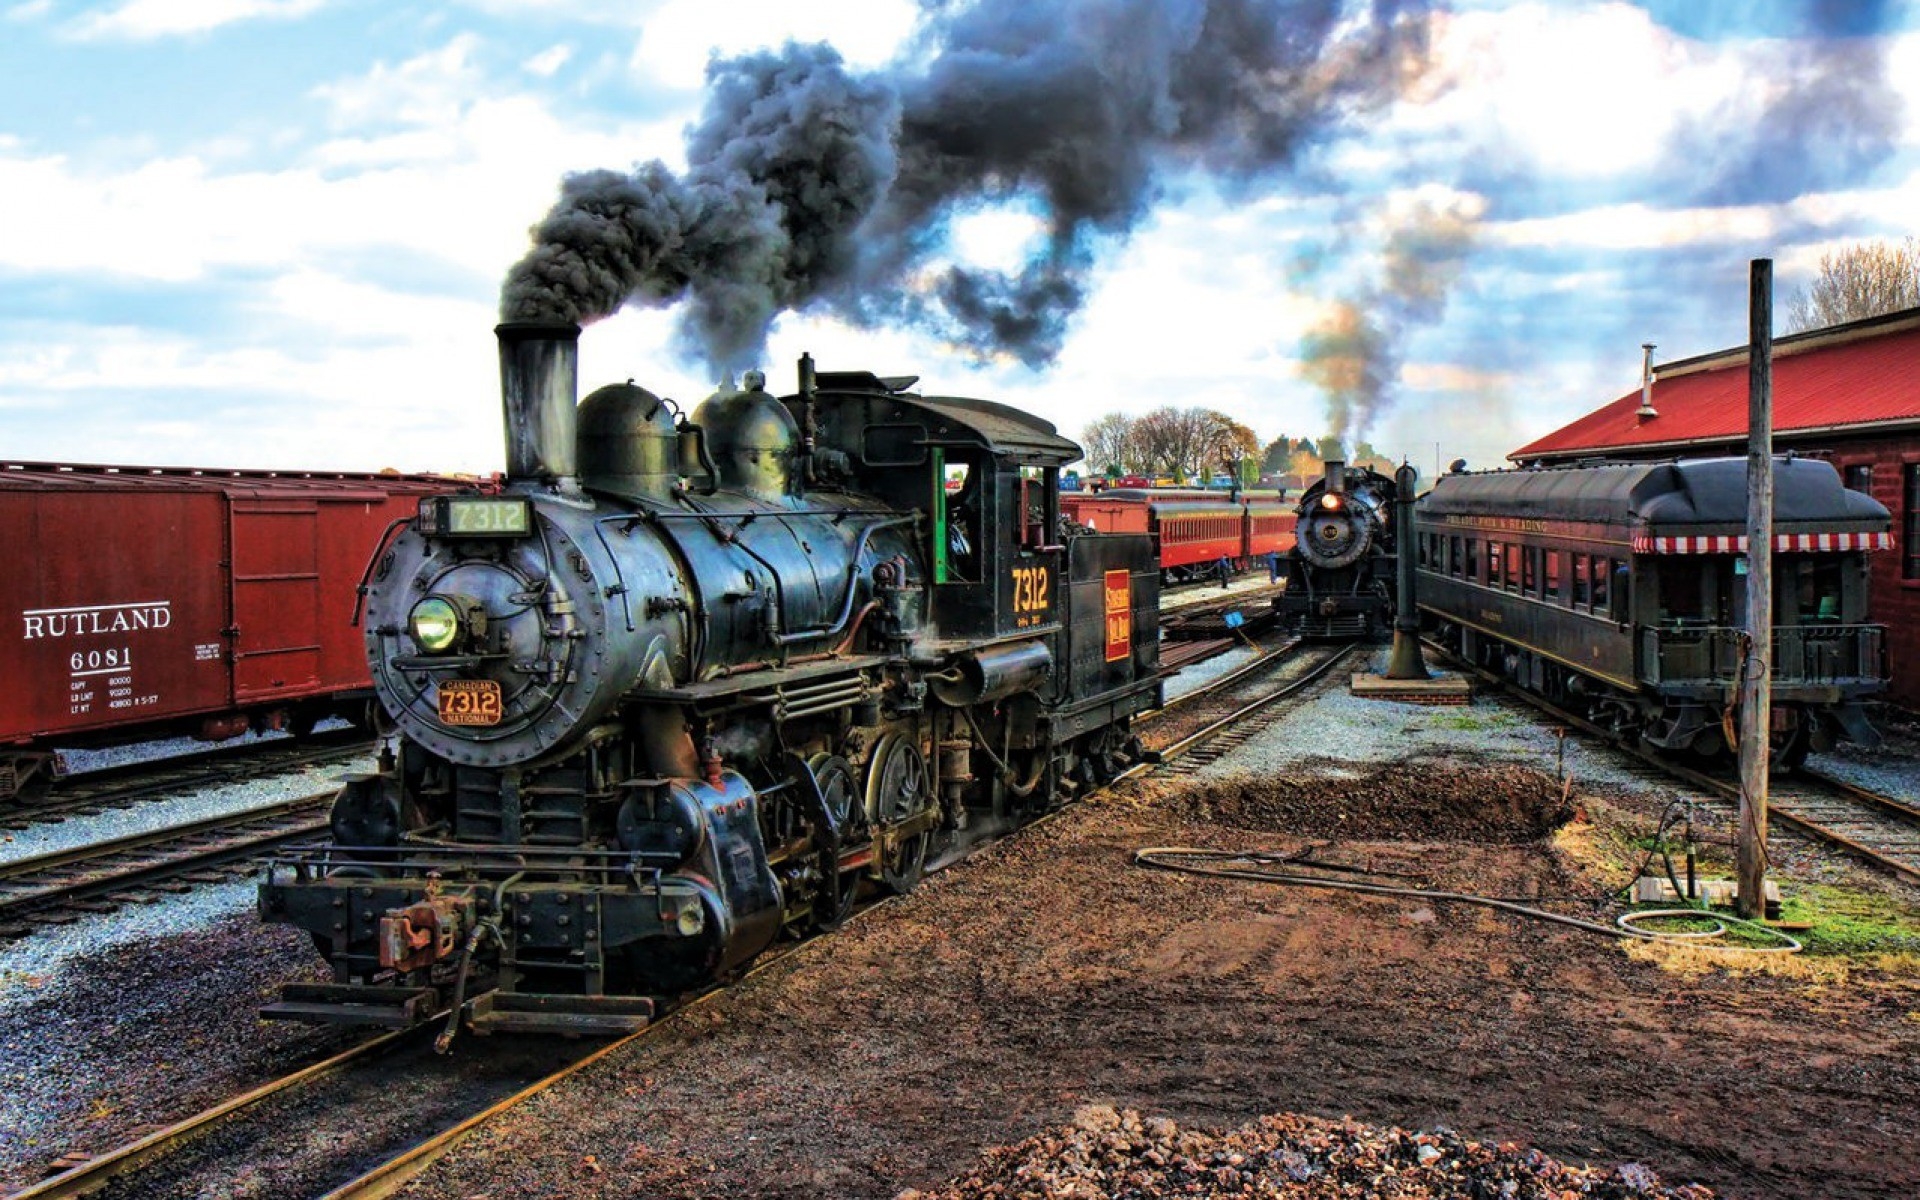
[[897, 790]]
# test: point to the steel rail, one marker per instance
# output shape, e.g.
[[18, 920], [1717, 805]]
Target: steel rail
[[31, 886], [1782, 811], [98, 1172], [1243, 671], [90, 792], [1212, 730]]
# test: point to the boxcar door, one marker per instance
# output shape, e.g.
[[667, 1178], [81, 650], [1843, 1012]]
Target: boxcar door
[[276, 609]]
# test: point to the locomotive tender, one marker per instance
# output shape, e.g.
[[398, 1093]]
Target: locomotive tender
[[1340, 573], [1619, 589], [685, 685]]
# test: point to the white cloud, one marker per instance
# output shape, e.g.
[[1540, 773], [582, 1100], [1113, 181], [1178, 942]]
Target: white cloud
[[143, 19], [33, 10], [548, 62], [1587, 93], [463, 188], [677, 38], [425, 90]]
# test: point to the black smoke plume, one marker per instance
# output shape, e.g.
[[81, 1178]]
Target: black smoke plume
[[809, 185]]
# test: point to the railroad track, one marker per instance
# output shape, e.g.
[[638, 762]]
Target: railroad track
[[1208, 618], [372, 1150], [1238, 708], [1878, 829], [95, 792], [1881, 830], [142, 868]]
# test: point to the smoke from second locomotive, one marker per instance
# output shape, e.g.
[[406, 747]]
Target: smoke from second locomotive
[[811, 185]]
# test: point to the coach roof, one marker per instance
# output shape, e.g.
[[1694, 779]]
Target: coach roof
[[1698, 495]]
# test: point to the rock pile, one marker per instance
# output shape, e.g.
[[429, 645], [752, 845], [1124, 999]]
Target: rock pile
[[1120, 1155]]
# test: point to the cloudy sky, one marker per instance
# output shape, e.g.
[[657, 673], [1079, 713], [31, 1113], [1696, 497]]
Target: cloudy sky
[[274, 232]]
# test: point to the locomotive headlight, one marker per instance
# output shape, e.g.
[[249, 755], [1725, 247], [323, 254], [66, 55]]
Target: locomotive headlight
[[434, 624], [1330, 500]]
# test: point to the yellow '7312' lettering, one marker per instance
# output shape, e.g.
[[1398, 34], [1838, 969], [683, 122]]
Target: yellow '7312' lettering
[[1030, 589]]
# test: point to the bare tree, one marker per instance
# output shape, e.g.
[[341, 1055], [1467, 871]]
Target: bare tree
[[1858, 282], [1112, 441], [1226, 443], [1187, 443], [1167, 440]]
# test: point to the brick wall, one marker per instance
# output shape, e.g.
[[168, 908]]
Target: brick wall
[[1895, 601]]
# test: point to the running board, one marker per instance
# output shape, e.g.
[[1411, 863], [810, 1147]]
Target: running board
[[353, 1004], [533, 1012]]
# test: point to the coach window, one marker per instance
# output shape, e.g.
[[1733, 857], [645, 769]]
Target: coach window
[[1473, 560], [1456, 560], [1683, 589], [1582, 596], [1552, 576], [1860, 478], [1421, 548], [1530, 570], [1601, 603], [1514, 555], [1496, 570], [1816, 583]]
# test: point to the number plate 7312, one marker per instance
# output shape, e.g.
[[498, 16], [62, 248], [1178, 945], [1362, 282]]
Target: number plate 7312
[[469, 702]]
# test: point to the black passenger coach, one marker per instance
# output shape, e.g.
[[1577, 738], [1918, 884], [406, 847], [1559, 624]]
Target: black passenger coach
[[1619, 590]]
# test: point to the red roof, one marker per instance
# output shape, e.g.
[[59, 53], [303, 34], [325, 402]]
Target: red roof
[[1865, 373]]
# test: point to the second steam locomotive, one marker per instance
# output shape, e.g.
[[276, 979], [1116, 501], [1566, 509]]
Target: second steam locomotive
[[688, 683], [1340, 572]]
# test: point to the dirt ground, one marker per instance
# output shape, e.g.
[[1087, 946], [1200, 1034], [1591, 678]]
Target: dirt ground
[[1049, 973]]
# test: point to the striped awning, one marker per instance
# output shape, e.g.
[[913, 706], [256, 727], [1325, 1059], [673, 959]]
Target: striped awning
[[1783, 543]]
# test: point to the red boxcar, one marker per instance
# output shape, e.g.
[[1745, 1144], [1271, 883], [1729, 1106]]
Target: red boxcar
[[145, 601]]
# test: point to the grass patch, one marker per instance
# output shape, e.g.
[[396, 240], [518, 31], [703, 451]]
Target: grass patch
[[1852, 923]]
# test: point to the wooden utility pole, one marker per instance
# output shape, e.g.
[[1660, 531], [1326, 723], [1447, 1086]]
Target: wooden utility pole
[[1756, 665]]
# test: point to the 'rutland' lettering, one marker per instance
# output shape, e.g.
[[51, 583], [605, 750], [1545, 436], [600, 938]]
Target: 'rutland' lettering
[[98, 619]]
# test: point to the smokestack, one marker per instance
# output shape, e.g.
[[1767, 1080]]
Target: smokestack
[[1336, 476], [1646, 382], [539, 379]]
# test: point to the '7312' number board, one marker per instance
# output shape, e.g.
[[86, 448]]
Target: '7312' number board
[[469, 702]]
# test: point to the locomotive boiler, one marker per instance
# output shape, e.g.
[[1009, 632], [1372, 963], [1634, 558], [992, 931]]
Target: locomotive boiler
[[1340, 572], [690, 682]]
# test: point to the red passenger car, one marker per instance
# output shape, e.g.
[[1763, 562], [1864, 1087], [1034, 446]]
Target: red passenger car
[[1193, 529], [148, 601]]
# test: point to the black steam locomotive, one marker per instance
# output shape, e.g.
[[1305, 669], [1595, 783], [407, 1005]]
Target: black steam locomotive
[[686, 685], [1619, 590], [1340, 572]]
